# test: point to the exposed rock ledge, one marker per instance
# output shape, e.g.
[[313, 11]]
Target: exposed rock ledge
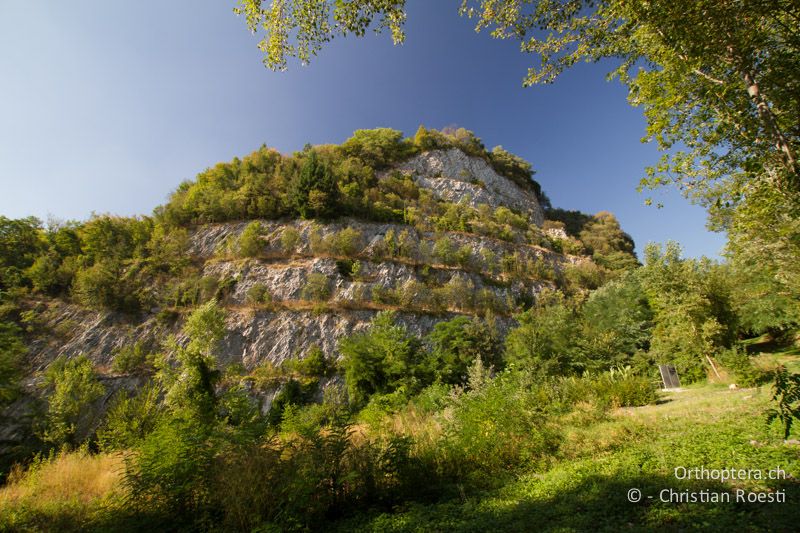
[[453, 175]]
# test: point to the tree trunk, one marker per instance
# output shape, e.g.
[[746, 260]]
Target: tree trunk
[[768, 120]]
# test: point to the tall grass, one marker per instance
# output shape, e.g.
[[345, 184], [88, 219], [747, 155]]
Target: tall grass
[[61, 492]]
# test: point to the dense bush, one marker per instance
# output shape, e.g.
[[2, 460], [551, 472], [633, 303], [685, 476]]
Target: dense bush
[[543, 342], [250, 244], [131, 358], [20, 242], [170, 468], [378, 148], [616, 324], [73, 387], [619, 387], [745, 373], [457, 343], [258, 294], [497, 425], [314, 193], [317, 287], [692, 309], [290, 238], [12, 349], [381, 360], [130, 418]]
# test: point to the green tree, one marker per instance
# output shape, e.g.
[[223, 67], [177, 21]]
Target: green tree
[[381, 360], [764, 253], [106, 285], [457, 343], [544, 341], [250, 244], [616, 323], [693, 316], [609, 245], [11, 351], [21, 241], [190, 386], [74, 387], [314, 192], [378, 148]]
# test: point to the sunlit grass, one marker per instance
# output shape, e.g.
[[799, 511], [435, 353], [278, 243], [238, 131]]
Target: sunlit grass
[[60, 492]]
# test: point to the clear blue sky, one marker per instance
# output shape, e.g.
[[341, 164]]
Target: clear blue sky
[[107, 106]]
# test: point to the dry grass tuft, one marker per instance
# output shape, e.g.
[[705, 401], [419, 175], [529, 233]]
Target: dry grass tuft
[[68, 476]]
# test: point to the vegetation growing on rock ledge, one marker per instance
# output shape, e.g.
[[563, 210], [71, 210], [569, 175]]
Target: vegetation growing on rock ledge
[[523, 345]]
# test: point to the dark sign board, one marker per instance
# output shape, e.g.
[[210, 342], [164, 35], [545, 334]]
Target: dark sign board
[[669, 376]]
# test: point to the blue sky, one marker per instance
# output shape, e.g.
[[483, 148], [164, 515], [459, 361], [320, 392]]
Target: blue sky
[[107, 106]]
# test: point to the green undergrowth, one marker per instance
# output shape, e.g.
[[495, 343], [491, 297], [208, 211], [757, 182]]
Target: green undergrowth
[[586, 486]]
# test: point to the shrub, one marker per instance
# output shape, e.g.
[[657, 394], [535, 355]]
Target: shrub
[[171, 467], [314, 193], [258, 294], [292, 393], [515, 168], [406, 244], [444, 250], [455, 344], [345, 267], [381, 360], [385, 295], [313, 365], [616, 323], [745, 372], [267, 375], [621, 388], [786, 395], [425, 140], [250, 243], [463, 256], [411, 293], [190, 384], [378, 148], [457, 293], [130, 358], [290, 238], [105, 285], [11, 351], [347, 242], [317, 287], [130, 419], [543, 342], [73, 387], [497, 425], [584, 275], [44, 274]]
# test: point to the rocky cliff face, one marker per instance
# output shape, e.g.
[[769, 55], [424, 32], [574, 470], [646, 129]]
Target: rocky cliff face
[[416, 281], [452, 175], [292, 324]]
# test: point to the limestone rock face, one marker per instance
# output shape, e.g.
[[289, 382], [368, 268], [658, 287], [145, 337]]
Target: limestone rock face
[[422, 287], [453, 175], [275, 333]]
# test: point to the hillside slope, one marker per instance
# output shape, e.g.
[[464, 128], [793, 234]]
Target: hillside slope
[[300, 251]]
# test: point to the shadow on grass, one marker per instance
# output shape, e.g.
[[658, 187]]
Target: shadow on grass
[[596, 503], [600, 503]]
